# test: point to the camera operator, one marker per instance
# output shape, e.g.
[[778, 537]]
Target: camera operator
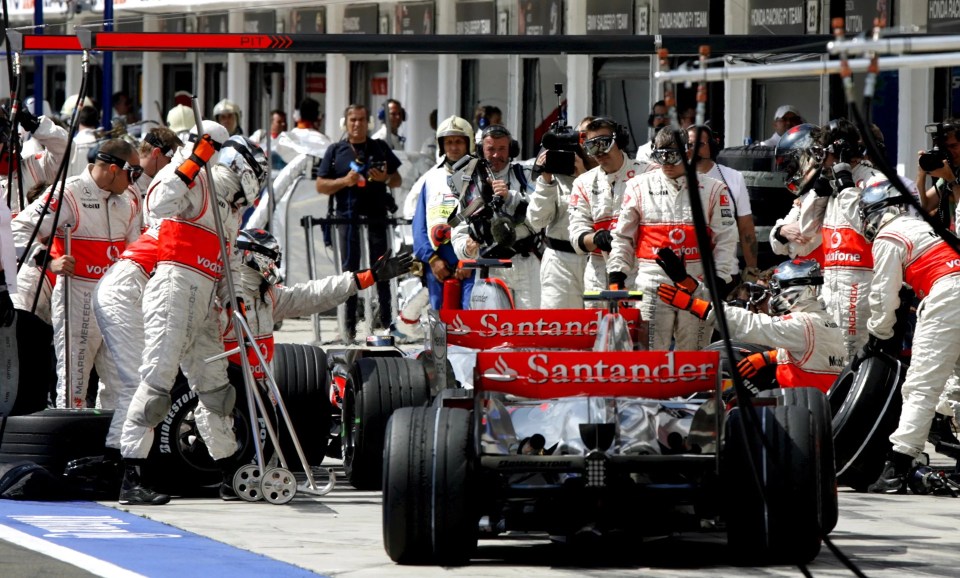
[[561, 270], [942, 163], [509, 231], [357, 171]]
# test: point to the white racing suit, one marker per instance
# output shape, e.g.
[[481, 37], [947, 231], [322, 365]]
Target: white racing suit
[[908, 251], [810, 348], [656, 213], [847, 263], [181, 320], [523, 278], [562, 267], [101, 226], [812, 249], [595, 205], [37, 167], [118, 305], [276, 302]]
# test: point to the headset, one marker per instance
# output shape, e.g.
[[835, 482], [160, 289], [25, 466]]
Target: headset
[[371, 124], [486, 111], [712, 141], [382, 113], [621, 135], [500, 131]]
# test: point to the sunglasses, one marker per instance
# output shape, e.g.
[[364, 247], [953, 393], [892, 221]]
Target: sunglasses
[[133, 171], [667, 156], [598, 145]]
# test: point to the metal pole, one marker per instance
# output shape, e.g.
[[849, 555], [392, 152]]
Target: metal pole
[[67, 350], [895, 45], [370, 291], [307, 222], [938, 60], [342, 308]]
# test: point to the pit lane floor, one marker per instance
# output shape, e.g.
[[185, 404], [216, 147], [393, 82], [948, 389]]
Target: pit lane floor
[[340, 535]]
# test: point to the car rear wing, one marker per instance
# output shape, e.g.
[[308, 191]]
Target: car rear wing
[[555, 374]]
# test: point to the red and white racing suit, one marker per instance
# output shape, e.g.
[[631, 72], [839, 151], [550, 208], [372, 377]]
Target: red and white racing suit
[[279, 302], [118, 305], [812, 249], [657, 213], [594, 205], [101, 225], [36, 167], [848, 262], [908, 251], [181, 319], [562, 267], [810, 348]]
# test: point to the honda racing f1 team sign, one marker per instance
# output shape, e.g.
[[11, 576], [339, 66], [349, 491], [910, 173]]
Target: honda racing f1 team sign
[[558, 328], [552, 374]]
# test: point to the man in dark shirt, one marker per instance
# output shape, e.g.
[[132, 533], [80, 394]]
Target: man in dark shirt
[[357, 171]]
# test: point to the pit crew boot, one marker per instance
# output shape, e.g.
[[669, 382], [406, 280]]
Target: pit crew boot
[[132, 490], [942, 436], [893, 478], [228, 469]]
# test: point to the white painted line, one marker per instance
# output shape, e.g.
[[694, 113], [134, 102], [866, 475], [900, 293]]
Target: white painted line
[[80, 560]]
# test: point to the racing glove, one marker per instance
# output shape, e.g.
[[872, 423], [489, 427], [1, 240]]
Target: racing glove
[[603, 240], [617, 280], [871, 348], [384, 269], [750, 365], [843, 177], [7, 313], [27, 120], [822, 187], [681, 299], [203, 151], [674, 267]]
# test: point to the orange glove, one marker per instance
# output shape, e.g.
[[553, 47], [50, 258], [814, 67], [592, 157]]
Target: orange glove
[[203, 151], [750, 365], [677, 297]]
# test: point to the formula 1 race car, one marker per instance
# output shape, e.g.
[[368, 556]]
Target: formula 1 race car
[[637, 442]]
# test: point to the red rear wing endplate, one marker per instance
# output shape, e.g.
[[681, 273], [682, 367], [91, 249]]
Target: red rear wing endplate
[[540, 328], [552, 374]]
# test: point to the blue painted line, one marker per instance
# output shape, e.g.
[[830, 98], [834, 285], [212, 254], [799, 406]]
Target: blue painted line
[[135, 544]]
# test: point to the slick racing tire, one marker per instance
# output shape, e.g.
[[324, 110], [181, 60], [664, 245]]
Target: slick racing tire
[[866, 418], [179, 462], [304, 382], [784, 528], [53, 437], [380, 386], [430, 513], [814, 400]]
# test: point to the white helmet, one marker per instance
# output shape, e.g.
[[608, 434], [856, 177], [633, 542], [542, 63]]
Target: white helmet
[[216, 131], [66, 111], [180, 118], [795, 286], [455, 126], [248, 161], [226, 106]]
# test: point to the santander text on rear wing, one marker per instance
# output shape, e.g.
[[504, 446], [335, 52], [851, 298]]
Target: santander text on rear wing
[[540, 328], [553, 374]]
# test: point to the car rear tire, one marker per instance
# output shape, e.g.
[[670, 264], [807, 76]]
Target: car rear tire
[[381, 385], [429, 510], [814, 400], [781, 523], [304, 382]]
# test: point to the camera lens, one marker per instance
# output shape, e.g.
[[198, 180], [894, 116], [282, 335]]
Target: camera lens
[[931, 161]]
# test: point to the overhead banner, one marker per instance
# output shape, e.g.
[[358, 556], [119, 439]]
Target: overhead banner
[[540, 17], [610, 17], [476, 17], [775, 17], [860, 14], [310, 21], [689, 17], [943, 17], [415, 17], [363, 19]]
